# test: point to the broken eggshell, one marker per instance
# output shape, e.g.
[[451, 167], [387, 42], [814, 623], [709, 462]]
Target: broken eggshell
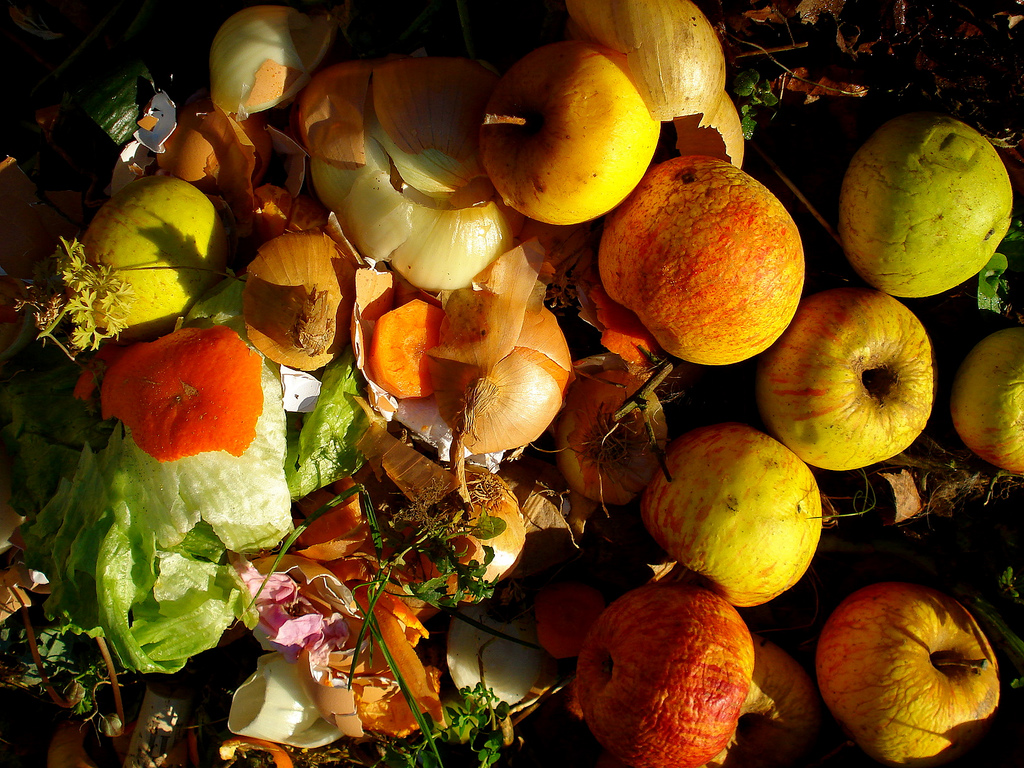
[[273, 704], [512, 670]]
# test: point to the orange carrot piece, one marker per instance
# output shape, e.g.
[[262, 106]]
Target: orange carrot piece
[[623, 333], [397, 357]]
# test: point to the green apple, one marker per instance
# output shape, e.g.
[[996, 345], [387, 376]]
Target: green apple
[[741, 511], [850, 382], [907, 673], [165, 239], [986, 400], [923, 205]]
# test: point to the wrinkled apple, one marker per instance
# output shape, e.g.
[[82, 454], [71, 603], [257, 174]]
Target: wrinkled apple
[[165, 238]]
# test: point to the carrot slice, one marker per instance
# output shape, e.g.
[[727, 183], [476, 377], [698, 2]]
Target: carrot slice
[[397, 358], [623, 333]]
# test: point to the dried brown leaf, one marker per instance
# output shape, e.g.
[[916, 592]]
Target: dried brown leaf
[[904, 491]]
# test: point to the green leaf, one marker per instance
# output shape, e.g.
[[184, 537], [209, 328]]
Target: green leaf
[[991, 286], [488, 526], [324, 449], [111, 98], [748, 124], [745, 82]]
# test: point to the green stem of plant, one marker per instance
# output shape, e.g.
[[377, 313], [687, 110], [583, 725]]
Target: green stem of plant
[[467, 29]]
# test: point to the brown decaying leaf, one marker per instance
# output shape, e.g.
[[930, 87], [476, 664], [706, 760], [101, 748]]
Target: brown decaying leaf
[[904, 491], [833, 81]]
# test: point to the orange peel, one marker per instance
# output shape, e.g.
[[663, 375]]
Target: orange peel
[[191, 391]]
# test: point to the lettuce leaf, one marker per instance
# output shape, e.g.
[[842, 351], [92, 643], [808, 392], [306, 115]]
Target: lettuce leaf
[[324, 449], [136, 549]]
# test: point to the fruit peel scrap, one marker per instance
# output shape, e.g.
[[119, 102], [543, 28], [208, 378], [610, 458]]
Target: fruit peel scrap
[[191, 391]]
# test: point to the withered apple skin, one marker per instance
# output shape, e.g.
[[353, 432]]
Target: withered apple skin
[[663, 673], [907, 673]]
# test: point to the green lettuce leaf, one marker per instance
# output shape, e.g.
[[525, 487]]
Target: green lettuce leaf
[[136, 549], [323, 449]]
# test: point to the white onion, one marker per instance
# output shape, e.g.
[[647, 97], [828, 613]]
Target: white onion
[[273, 35], [673, 51], [435, 248]]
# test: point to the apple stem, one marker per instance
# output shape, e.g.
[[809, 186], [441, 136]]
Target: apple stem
[[640, 400], [962, 663], [504, 120]]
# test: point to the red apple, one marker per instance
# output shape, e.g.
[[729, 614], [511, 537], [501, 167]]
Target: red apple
[[662, 675], [907, 673], [707, 257]]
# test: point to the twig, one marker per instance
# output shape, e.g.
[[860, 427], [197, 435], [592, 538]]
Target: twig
[[799, 195], [790, 72], [769, 51]]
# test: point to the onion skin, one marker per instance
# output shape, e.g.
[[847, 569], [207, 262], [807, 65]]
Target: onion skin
[[605, 461]]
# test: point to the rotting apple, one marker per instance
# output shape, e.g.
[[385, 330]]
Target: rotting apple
[[986, 403], [566, 134], [707, 257], [851, 381], [165, 239], [662, 675], [924, 203], [781, 717], [907, 673], [740, 511]]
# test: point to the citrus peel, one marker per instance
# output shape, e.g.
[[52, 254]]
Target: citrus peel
[[191, 391]]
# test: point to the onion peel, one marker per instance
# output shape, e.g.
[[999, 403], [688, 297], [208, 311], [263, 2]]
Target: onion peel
[[493, 383]]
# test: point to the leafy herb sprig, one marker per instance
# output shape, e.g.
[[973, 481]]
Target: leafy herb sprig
[[77, 304]]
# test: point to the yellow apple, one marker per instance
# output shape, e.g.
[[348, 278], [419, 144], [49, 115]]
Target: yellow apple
[[741, 511], [780, 718], [850, 382], [907, 673], [567, 135], [986, 402], [165, 238]]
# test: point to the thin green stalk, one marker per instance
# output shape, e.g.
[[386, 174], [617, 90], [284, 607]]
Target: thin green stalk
[[467, 29]]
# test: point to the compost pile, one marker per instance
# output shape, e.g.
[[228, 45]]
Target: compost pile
[[351, 485]]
